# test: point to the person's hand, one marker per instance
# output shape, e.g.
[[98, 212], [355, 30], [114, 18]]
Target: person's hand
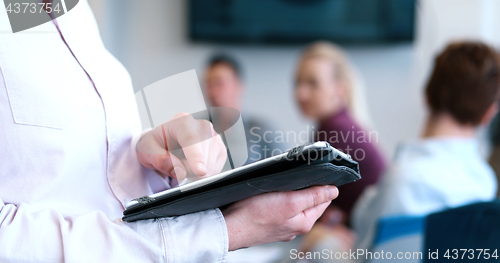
[[182, 146], [277, 216], [320, 232], [332, 216]]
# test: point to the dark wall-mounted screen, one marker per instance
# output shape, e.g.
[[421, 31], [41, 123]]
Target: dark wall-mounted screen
[[299, 21]]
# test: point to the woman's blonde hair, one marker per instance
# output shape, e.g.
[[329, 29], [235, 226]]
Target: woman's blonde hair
[[345, 74]]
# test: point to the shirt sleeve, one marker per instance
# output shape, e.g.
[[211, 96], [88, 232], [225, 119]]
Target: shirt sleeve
[[29, 233]]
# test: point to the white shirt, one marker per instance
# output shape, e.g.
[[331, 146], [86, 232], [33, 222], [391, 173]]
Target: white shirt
[[68, 162], [427, 176]]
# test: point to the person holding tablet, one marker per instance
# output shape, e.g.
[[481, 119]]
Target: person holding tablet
[[69, 163]]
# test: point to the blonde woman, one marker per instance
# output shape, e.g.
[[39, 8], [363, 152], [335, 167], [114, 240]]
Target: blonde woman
[[328, 92]]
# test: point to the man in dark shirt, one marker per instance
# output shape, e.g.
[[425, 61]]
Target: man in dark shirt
[[223, 87]]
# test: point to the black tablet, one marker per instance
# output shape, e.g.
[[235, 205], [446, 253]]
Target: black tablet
[[313, 164]]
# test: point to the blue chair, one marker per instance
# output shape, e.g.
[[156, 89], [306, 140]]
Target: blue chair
[[475, 228], [463, 233], [399, 238]]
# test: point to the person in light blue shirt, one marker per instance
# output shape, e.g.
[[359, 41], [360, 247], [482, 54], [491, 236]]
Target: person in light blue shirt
[[443, 169]]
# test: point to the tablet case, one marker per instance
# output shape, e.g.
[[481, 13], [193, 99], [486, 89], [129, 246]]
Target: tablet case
[[292, 175]]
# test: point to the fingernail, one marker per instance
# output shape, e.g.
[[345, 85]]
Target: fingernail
[[173, 174], [331, 192], [201, 167]]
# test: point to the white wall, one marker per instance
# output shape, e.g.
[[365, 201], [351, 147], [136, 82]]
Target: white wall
[[150, 39]]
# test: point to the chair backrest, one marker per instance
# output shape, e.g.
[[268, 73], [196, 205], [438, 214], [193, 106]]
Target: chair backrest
[[459, 233], [467, 232], [399, 238]]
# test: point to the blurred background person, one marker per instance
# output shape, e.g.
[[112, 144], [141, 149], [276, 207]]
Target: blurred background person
[[223, 87], [443, 169], [326, 92]]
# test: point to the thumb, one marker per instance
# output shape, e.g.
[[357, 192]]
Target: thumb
[[317, 195]]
